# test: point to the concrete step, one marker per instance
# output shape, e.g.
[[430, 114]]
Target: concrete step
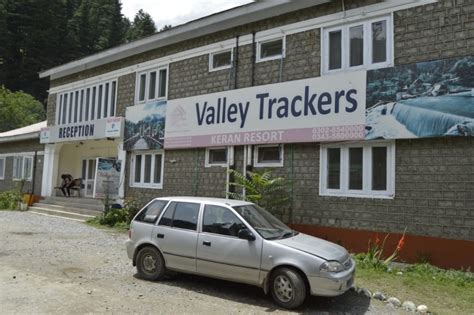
[[59, 213], [88, 211], [86, 200], [76, 203]]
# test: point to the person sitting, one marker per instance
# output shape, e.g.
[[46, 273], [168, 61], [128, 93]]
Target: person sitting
[[66, 184]]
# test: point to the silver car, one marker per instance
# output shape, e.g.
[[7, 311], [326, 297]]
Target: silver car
[[237, 241]]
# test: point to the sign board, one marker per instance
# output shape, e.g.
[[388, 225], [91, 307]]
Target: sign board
[[97, 129], [311, 110], [107, 180]]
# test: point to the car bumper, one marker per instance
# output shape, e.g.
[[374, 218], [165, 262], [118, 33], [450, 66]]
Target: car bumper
[[130, 248], [332, 284]]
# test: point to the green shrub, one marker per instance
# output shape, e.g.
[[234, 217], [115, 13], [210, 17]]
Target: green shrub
[[121, 217], [9, 200]]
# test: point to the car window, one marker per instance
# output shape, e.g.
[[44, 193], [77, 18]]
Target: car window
[[186, 215], [220, 220], [167, 217], [153, 209]]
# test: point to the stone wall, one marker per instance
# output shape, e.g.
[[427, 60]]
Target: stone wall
[[10, 148]]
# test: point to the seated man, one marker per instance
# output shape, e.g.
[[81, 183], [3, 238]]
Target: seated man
[[66, 184]]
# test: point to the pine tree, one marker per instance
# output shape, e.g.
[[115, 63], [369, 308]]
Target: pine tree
[[143, 25]]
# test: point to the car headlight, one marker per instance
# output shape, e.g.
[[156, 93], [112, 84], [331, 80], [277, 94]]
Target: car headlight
[[332, 266]]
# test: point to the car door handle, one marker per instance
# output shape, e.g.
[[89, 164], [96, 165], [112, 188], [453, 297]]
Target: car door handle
[[206, 243], [160, 235]]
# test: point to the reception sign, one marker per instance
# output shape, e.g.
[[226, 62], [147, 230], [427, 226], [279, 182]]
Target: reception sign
[[311, 110]]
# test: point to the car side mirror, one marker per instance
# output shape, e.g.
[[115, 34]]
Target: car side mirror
[[246, 235], [150, 218]]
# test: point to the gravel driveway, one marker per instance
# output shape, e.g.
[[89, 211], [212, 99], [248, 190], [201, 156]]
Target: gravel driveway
[[52, 265]]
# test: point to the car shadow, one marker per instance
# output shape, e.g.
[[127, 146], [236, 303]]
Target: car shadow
[[350, 302]]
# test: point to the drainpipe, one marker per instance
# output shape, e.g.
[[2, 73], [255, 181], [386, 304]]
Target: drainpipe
[[254, 58]]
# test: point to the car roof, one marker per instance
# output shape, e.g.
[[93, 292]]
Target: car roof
[[215, 201]]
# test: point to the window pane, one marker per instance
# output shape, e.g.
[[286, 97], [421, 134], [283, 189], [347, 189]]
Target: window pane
[[141, 93], [81, 108], [94, 90], [167, 217], [185, 215], [355, 168], [157, 175], [221, 59], [356, 35], [76, 106], [153, 208], [335, 50], [88, 96], [147, 174], [220, 220], [152, 86], [17, 167], [269, 154], [106, 100], [99, 102], [28, 168], [64, 108], [379, 168], [273, 48], [334, 168], [91, 171], [217, 156], [112, 99], [71, 108], [379, 41], [162, 87], [60, 107], [138, 168], [84, 169]]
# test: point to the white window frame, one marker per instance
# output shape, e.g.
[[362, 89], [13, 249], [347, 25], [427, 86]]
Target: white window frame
[[230, 157], [345, 48], [211, 60], [366, 191], [2, 169], [147, 85], [268, 164], [276, 57], [23, 176], [142, 184]]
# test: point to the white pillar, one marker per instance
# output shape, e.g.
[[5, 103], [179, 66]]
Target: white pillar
[[50, 169], [122, 156]]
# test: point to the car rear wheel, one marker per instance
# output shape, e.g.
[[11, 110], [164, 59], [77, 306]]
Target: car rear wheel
[[288, 288], [150, 264]]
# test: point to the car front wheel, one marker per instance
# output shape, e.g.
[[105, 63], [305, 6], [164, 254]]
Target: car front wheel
[[150, 264], [288, 288]]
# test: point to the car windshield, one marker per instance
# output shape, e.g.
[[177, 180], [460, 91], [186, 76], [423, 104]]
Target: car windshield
[[264, 222]]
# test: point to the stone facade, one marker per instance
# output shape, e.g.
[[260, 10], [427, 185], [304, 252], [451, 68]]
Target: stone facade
[[10, 149]]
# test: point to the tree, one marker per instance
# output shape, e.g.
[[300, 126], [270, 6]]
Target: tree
[[18, 109], [143, 25]]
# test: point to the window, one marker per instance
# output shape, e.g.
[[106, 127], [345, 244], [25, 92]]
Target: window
[[220, 60], [2, 168], [152, 209], [362, 45], [147, 169], [358, 169], [271, 49], [86, 104], [181, 215], [268, 156], [152, 85], [221, 156], [23, 168], [220, 220]]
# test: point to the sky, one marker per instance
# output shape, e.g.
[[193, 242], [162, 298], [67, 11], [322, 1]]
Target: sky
[[175, 12]]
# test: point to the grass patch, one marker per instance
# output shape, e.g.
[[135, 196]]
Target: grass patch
[[443, 291], [120, 227]]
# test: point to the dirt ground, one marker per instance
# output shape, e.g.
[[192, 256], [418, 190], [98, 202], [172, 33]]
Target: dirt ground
[[52, 265]]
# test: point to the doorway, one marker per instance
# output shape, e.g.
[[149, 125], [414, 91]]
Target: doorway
[[88, 175]]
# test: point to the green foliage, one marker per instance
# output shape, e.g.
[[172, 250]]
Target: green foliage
[[9, 200], [142, 26], [18, 109], [261, 187], [459, 277], [121, 217]]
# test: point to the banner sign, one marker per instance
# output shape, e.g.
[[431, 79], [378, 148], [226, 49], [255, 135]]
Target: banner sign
[[107, 180], [311, 110], [428, 99], [145, 126], [96, 129]]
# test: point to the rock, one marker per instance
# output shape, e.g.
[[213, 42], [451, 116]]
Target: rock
[[379, 296], [366, 292], [399, 273], [14, 277], [394, 301], [423, 309], [89, 292], [409, 306]]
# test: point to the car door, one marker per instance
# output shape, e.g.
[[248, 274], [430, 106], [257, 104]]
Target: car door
[[220, 253], [176, 235]]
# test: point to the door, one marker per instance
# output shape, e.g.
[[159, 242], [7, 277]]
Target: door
[[176, 235], [88, 176], [221, 253]]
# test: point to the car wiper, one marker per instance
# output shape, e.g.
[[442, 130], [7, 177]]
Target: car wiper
[[289, 234]]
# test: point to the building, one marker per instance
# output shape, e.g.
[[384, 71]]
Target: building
[[21, 158], [365, 106]]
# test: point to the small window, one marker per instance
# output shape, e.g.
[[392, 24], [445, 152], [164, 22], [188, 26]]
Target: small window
[[358, 170], [218, 156], [142, 86], [2, 168], [23, 168], [335, 48], [268, 156], [220, 60], [272, 49], [17, 167], [153, 209], [186, 215], [147, 169], [152, 85], [220, 220]]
